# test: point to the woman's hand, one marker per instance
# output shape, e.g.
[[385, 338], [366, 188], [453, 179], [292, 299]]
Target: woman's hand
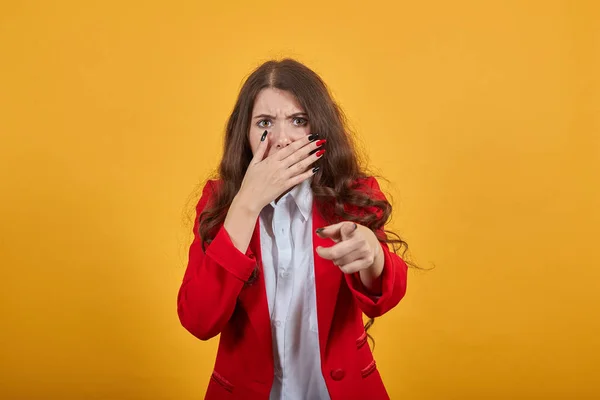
[[268, 178], [356, 249]]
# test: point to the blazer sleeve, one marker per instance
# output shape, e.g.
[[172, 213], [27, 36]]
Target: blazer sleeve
[[212, 280], [393, 278]]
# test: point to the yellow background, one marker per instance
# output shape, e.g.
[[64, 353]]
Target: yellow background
[[483, 115]]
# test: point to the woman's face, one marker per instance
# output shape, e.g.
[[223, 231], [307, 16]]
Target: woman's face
[[278, 112]]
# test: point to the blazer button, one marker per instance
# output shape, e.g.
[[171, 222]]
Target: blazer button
[[338, 374]]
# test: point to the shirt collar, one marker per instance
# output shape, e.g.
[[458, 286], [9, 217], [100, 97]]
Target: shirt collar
[[302, 196]]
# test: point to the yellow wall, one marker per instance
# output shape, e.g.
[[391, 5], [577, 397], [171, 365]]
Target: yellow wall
[[483, 115]]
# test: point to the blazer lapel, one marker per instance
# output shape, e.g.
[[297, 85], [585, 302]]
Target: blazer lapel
[[327, 281]]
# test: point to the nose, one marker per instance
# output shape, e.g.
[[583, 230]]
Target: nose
[[281, 138]]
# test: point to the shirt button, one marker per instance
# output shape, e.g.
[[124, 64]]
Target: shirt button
[[284, 274], [277, 323], [338, 374]]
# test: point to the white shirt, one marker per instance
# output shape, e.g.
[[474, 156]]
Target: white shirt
[[288, 267]]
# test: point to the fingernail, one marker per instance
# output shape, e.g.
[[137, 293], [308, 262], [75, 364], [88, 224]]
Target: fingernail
[[319, 230], [264, 136], [321, 142], [315, 169], [320, 153], [355, 226], [313, 137]]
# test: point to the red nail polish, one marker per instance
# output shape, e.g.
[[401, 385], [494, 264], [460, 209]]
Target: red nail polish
[[321, 142], [320, 153]]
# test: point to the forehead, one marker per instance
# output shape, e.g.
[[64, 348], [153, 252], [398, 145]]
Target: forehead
[[274, 101]]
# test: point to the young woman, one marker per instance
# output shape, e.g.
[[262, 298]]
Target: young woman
[[289, 249]]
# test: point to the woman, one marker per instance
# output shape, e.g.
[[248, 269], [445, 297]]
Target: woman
[[289, 249]]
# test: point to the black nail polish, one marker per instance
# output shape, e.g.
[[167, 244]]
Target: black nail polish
[[355, 226], [264, 136], [319, 230], [315, 169], [313, 137]]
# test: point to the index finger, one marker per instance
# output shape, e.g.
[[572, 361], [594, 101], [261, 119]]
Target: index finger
[[336, 251], [262, 148], [332, 232]]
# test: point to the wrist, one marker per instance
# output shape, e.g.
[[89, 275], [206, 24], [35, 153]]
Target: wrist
[[374, 271], [379, 259], [244, 205], [371, 279]]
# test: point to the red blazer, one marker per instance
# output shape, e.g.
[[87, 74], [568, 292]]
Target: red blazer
[[213, 299]]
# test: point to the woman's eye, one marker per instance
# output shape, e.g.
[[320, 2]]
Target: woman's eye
[[300, 121], [265, 123]]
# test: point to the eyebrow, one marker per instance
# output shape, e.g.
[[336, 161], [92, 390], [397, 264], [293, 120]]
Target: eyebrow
[[294, 115]]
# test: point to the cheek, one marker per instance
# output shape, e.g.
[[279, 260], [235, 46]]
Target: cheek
[[306, 129], [254, 140], [299, 132]]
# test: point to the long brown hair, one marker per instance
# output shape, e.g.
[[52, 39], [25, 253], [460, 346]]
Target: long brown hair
[[336, 186]]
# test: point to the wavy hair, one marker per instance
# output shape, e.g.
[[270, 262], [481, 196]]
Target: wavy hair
[[336, 186]]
